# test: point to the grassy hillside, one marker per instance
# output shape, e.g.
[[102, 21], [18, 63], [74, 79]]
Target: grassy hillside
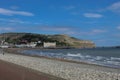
[[61, 40]]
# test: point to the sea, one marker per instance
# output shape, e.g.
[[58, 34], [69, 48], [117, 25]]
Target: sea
[[109, 57]]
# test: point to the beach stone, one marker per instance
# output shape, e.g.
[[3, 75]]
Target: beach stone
[[66, 70]]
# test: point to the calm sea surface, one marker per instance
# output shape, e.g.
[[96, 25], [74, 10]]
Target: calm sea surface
[[101, 56]]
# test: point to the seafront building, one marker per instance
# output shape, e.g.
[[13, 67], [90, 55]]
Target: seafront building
[[31, 45], [80, 44], [49, 44]]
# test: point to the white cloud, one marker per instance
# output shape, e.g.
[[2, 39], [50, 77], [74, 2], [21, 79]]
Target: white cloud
[[69, 7], [75, 13], [17, 21], [57, 29], [61, 30], [13, 21], [92, 32], [12, 12], [115, 7], [14, 7], [72, 31], [95, 31], [116, 35], [118, 27], [92, 15], [6, 29]]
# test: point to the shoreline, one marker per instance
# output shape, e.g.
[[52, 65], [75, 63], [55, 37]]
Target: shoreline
[[63, 69], [15, 51]]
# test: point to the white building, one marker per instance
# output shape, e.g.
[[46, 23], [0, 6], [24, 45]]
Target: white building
[[31, 45], [4, 46], [49, 44]]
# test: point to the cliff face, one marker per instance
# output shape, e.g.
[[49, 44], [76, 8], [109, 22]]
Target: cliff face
[[61, 40], [74, 42]]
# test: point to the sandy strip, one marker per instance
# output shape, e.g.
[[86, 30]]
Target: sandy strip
[[66, 70], [9, 71]]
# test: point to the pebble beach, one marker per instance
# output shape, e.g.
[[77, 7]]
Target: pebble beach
[[63, 69]]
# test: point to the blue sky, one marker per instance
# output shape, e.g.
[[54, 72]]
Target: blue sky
[[96, 20]]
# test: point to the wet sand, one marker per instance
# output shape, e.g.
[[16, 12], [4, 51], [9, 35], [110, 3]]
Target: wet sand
[[10, 71]]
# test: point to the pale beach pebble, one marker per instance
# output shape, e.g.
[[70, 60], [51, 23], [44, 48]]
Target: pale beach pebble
[[66, 70]]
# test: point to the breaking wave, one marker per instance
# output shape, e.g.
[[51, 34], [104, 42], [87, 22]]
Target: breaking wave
[[100, 60]]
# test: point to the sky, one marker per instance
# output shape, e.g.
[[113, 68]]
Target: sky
[[95, 20]]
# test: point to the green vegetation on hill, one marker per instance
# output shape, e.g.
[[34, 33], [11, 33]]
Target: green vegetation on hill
[[61, 40]]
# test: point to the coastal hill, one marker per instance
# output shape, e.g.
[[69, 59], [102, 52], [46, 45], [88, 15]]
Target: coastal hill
[[61, 40]]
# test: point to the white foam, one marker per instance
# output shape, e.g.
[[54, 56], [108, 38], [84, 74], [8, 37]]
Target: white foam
[[81, 57], [88, 56], [114, 62], [74, 55], [115, 58], [99, 57]]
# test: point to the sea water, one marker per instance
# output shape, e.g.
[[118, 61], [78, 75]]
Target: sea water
[[101, 56]]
